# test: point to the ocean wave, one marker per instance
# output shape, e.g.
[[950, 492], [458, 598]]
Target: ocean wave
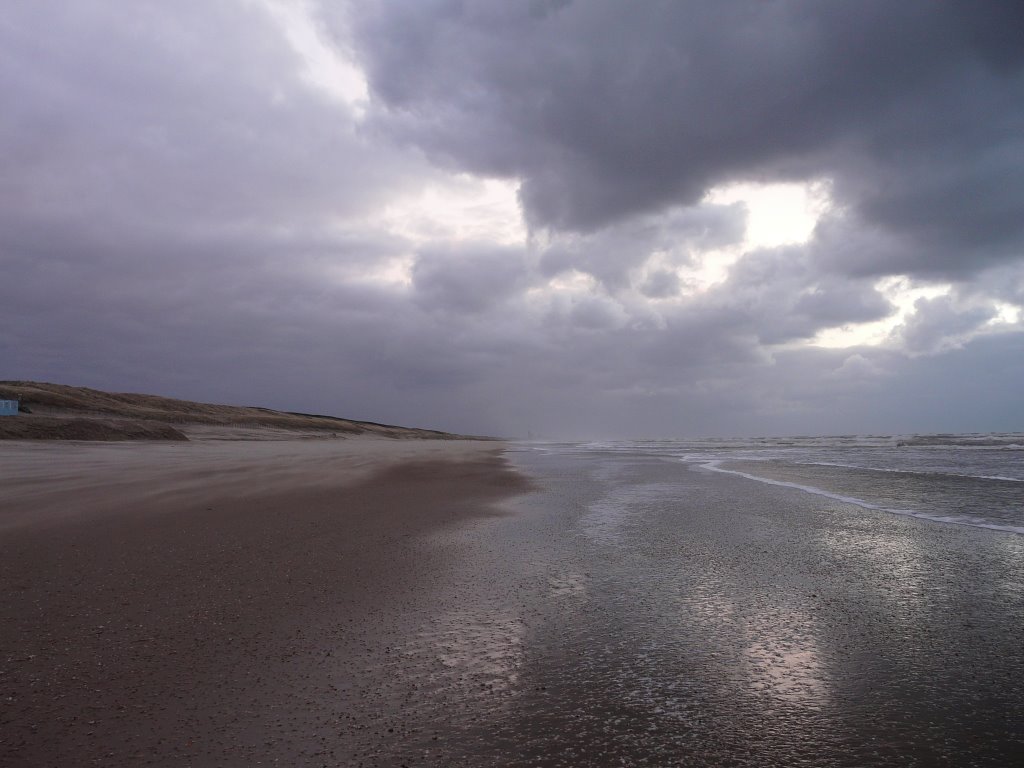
[[954, 520], [1009, 441], [1013, 441]]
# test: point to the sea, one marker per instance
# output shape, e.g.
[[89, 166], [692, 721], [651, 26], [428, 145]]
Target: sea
[[963, 479]]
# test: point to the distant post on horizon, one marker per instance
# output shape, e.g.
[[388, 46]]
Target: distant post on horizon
[[9, 407]]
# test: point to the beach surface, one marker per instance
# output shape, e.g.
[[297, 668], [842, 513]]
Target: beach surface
[[387, 603], [213, 603]]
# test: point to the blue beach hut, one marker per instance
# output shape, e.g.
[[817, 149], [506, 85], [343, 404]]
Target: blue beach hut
[[8, 407]]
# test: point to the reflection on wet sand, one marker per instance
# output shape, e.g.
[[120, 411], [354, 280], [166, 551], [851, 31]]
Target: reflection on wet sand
[[1010, 584], [769, 652], [483, 652], [720, 622], [647, 615], [785, 666]]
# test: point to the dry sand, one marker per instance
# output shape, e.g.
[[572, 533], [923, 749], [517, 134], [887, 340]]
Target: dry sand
[[166, 604]]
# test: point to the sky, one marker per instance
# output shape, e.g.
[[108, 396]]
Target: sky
[[551, 218]]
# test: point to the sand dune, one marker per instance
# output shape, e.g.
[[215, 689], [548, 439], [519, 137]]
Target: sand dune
[[60, 412]]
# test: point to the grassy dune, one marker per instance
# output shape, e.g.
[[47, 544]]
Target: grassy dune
[[60, 412]]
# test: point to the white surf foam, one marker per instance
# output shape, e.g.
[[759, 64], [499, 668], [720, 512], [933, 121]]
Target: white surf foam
[[937, 472], [714, 467]]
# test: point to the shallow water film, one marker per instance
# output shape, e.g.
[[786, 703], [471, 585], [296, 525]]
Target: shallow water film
[[642, 611]]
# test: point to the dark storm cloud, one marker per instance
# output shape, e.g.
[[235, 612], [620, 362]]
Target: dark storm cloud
[[182, 212], [606, 110]]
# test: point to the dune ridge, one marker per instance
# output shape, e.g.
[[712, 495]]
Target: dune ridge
[[62, 412]]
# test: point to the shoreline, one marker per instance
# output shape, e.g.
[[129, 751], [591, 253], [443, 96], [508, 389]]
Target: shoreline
[[381, 603], [714, 466], [168, 619]]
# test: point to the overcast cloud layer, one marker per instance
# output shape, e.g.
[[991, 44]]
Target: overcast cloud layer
[[188, 207]]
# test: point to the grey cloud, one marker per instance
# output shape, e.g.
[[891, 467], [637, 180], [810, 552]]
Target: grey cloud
[[1005, 283], [661, 285], [468, 278], [611, 253], [595, 313], [940, 207], [156, 117], [606, 110], [785, 297], [967, 389], [857, 368], [938, 324], [181, 213], [170, 196]]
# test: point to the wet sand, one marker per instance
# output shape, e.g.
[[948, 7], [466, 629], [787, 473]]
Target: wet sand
[[623, 611], [690, 618]]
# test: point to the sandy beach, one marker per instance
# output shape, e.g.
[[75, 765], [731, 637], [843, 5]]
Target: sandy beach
[[384, 603], [177, 604]]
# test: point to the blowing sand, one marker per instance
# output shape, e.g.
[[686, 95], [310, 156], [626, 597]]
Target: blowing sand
[[166, 604]]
